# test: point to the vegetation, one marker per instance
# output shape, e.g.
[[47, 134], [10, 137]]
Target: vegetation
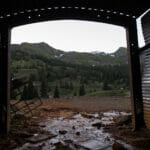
[[81, 90], [29, 92], [44, 88], [56, 92], [49, 68]]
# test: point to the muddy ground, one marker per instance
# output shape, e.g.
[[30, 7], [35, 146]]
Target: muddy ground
[[59, 124]]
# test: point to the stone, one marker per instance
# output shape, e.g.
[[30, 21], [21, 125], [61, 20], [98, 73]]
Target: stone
[[85, 115], [40, 137], [39, 147], [98, 125], [63, 132], [118, 146], [46, 108], [60, 146], [123, 120], [78, 133]]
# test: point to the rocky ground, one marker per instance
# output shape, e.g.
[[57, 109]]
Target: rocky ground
[[61, 125]]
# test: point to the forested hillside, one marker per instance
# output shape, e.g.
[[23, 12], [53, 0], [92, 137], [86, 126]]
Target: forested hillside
[[70, 72]]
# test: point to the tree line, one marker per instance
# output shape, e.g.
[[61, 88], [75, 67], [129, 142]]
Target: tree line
[[54, 75]]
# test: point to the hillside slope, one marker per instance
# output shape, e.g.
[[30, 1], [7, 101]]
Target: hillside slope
[[44, 50]]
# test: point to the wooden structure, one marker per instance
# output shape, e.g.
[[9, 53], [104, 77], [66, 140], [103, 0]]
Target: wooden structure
[[19, 12], [23, 106]]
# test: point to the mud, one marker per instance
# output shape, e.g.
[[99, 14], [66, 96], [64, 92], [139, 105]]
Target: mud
[[80, 132], [77, 125]]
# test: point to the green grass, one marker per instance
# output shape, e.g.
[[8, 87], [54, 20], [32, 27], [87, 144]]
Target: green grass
[[106, 93]]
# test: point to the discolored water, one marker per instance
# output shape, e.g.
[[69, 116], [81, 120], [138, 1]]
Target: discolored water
[[78, 132]]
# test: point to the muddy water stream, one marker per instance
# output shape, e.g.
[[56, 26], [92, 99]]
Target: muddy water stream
[[80, 132]]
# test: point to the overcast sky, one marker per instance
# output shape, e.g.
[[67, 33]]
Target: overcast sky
[[72, 35]]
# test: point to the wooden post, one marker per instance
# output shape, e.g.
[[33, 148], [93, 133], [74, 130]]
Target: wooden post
[[4, 78], [135, 76]]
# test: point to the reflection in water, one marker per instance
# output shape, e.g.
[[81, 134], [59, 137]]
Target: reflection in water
[[80, 132]]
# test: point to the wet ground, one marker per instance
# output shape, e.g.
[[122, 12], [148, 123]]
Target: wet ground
[[81, 131], [76, 124]]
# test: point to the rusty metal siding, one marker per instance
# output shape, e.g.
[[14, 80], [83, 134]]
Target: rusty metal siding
[[146, 70], [146, 86]]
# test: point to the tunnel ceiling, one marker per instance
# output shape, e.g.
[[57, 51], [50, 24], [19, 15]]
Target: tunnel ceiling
[[136, 8], [118, 12]]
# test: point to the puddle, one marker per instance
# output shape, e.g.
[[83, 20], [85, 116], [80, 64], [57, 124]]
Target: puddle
[[79, 133]]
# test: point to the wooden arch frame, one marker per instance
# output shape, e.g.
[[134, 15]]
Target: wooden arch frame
[[13, 19]]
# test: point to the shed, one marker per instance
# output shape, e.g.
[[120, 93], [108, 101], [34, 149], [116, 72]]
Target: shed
[[19, 12]]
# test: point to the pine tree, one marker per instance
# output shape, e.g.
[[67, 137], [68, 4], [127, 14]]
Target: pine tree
[[44, 89], [71, 86], [13, 94], [74, 94], [56, 92], [66, 86], [24, 95], [31, 90], [36, 95], [82, 90], [105, 86]]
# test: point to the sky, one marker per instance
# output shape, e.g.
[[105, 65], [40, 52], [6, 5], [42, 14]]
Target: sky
[[73, 35]]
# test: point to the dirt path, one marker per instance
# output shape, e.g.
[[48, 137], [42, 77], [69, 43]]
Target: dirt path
[[91, 104]]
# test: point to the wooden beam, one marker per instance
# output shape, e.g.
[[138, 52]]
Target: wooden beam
[[4, 78], [57, 13], [135, 76]]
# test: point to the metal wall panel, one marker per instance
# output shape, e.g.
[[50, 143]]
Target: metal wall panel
[[146, 70], [146, 86]]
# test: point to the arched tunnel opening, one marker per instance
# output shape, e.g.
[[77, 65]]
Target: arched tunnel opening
[[77, 89], [74, 91]]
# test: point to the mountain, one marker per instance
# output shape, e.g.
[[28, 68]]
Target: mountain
[[41, 49], [122, 51], [91, 59], [39, 62]]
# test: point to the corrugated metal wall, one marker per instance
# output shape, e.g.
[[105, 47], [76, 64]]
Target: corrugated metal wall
[[146, 70]]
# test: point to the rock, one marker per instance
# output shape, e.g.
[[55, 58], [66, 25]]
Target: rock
[[68, 141], [118, 146], [73, 127], [39, 147], [106, 128], [98, 125], [42, 125], [85, 115], [63, 132], [46, 108], [78, 133], [40, 138], [60, 146], [123, 120]]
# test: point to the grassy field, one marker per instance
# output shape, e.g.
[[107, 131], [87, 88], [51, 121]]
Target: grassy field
[[107, 93]]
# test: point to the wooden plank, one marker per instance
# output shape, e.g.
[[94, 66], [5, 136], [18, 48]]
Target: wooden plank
[[4, 78], [135, 76]]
